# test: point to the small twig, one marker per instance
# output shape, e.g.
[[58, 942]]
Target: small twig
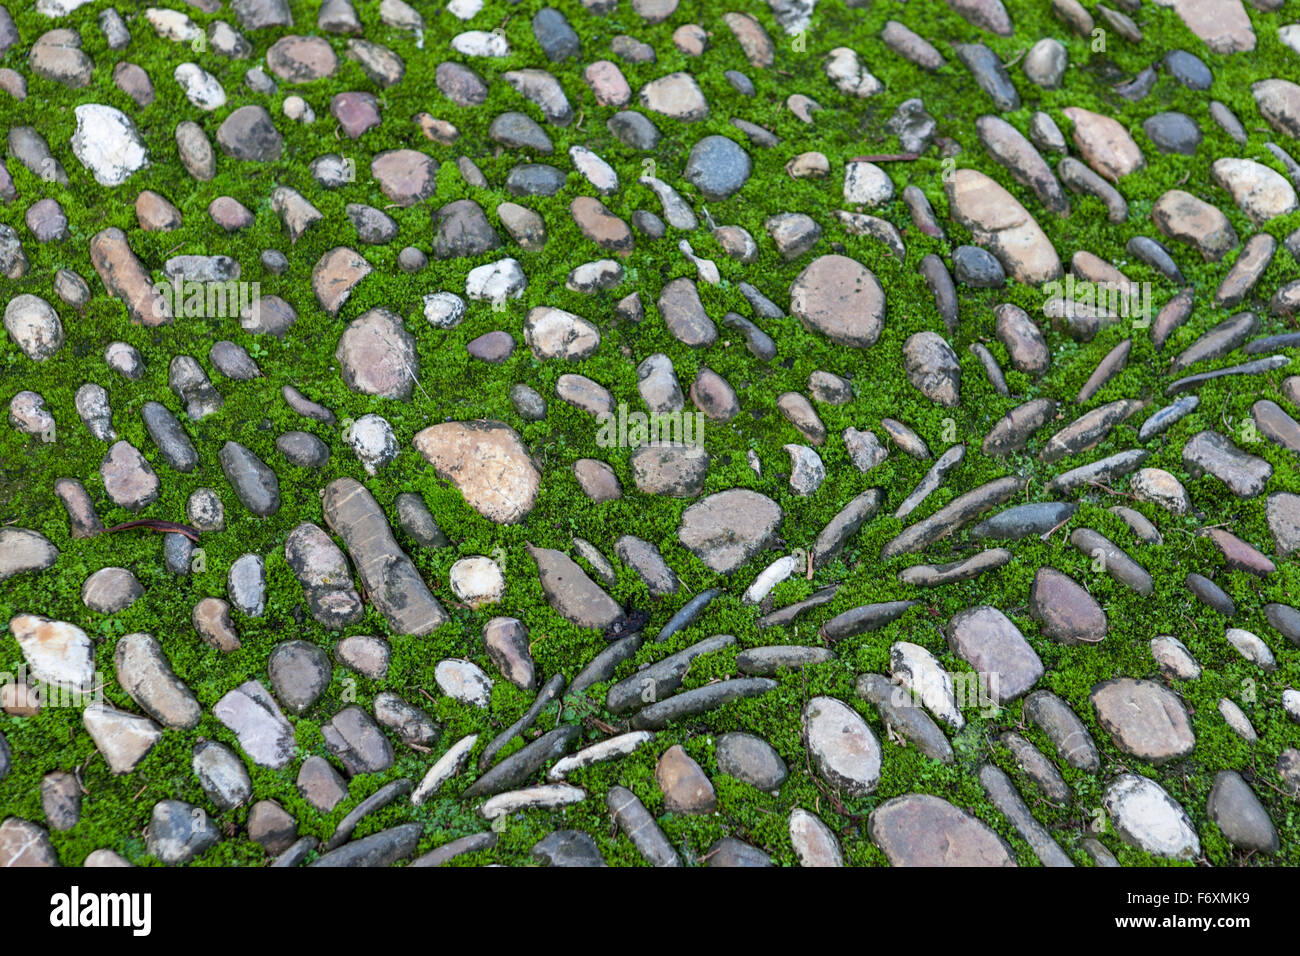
[[153, 524], [1107, 488], [886, 158], [1057, 527], [602, 726], [1016, 59]]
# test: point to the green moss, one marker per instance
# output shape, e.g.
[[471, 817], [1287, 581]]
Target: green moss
[[454, 387]]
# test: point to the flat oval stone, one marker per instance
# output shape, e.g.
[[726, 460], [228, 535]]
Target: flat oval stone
[[1144, 718], [840, 298], [986, 639], [814, 843], [1173, 658], [300, 672], [751, 760], [728, 528], [1145, 816], [1233, 806], [843, 749], [718, 167], [923, 830], [1065, 611], [932, 368]]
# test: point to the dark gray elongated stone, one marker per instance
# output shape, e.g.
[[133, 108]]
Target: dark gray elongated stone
[[991, 368], [1218, 341], [394, 584], [1148, 250], [759, 343], [1081, 178], [1271, 343], [1162, 419], [459, 847], [519, 766], [1088, 430], [253, 480], [932, 479], [790, 612], [687, 613], [1257, 367], [866, 617], [376, 801], [1020, 521], [1286, 619], [1210, 594], [631, 816], [1254, 260], [1014, 429], [963, 569], [1003, 794], [952, 516], [601, 667], [656, 681], [170, 438], [769, 660], [830, 542], [298, 851], [699, 701], [905, 716], [1009, 147], [1102, 470], [986, 66], [379, 849], [1119, 565], [1110, 366], [550, 692], [939, 280]]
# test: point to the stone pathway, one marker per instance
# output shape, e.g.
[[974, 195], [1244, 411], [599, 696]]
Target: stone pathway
[[649, 433]]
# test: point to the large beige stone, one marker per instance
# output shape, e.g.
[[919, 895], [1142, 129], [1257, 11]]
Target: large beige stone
[[1222, 24], [1000, 224], [488, 463], [1104, 143], [840, 298]]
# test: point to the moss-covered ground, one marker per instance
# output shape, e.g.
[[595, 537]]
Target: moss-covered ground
[[453, 386]]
